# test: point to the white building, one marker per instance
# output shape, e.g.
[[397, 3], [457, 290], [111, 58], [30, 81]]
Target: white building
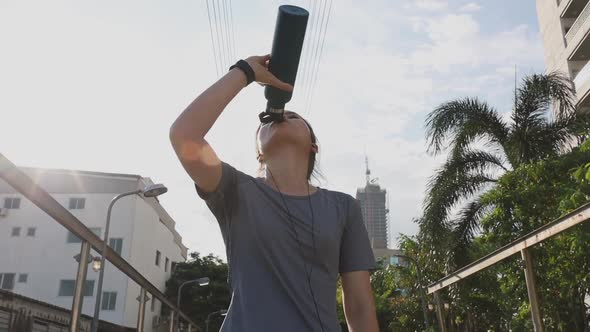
[[565, 27], [36, 252]]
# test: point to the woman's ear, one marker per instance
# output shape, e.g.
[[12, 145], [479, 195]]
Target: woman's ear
[[314, 148]]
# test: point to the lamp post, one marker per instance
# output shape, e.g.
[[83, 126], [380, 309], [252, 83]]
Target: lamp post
[[201, 281], [422, 293], [96, 261], [222, 312], [149, 191]]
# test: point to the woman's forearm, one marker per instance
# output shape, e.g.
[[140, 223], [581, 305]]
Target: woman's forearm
[[363, 321]]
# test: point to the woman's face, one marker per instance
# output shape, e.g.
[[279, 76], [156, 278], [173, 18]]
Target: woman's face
[[293, 130]]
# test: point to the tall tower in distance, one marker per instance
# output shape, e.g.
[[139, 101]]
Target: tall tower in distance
[[373, 205]]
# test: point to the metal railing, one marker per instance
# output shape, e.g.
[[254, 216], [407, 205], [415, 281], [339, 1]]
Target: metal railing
[[28, 188], [575, 28], [521, 246]]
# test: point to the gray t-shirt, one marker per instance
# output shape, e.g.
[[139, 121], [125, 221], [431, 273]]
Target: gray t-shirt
[[266, 250]]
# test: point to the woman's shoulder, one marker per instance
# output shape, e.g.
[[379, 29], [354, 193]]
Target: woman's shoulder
[[339, 196], [240, 176]]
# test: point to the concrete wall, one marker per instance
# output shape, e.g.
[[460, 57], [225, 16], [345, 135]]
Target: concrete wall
[[552, 33], [149, 235]]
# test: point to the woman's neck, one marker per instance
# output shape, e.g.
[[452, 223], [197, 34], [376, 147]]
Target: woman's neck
[[286, 171]]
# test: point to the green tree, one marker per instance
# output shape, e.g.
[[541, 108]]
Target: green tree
[[526, 199], [482, 146], [197, 302]]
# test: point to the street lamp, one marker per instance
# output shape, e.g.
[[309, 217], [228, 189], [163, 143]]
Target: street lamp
[[91, 259], [152, 190], [222, 312], [201, 281], [422, 293]]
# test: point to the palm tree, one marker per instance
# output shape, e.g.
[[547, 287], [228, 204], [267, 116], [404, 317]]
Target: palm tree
[[482, 146]]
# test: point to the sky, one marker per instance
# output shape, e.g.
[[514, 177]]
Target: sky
[[96, 85]]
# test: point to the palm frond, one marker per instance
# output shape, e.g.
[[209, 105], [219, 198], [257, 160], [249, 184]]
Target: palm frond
[[538, 94], [460, 122], [464, 229], [459, 178], [446, 186], [468, 221]]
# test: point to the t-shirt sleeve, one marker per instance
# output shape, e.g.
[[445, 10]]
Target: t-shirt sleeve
[[355, 248], [223, 198]]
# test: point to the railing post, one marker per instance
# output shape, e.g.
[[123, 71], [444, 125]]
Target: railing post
[[141, 311], [171, 320], [79, 287], [439, 312], [531, 286]]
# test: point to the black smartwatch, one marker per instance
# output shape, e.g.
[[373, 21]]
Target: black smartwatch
[[245, 67]]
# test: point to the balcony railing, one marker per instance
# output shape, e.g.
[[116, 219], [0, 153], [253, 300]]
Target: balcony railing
[[582, 77], [573, 31]]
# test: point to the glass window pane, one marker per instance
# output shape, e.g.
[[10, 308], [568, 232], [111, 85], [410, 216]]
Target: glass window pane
[[8, 281], [116, 244], [66, 288], [15, 231], [81, 203], [113, 301], [108, 300], [31, 231], [23, 277], [89, 288], [7, 203], [72, 203]]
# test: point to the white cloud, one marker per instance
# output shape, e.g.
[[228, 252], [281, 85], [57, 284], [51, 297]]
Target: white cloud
[[456, 40], [431, 5], [470, 7]]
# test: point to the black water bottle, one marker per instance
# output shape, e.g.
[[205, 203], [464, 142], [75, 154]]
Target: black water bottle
[[284, 57]]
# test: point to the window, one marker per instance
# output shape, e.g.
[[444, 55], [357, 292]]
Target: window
[[74, 239], [66, 287], [166, 265], [172, 267], [158, 254], [31, 231], [7, 281], [15, 231], [116, 244], [12, 203], [23, 277], [108, 300], [77, 203]]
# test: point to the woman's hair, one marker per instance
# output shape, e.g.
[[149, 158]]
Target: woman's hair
[[311, 165]]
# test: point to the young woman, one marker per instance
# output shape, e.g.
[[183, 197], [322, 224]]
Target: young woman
[[286, 240]]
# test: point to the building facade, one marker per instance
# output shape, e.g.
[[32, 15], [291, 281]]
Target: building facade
[[37, 258], [565, 27], [373, 201]]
